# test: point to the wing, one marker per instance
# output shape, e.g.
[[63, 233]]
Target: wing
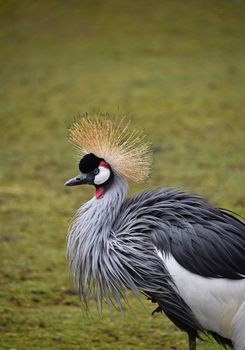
[[203, 239]]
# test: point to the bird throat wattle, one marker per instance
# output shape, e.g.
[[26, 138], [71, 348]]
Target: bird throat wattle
[[100, 192]]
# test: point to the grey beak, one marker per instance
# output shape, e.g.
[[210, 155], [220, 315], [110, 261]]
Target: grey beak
[[77, 180]]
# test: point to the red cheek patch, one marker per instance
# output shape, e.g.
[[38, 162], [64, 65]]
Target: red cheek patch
[[100, 192], [104, 164]]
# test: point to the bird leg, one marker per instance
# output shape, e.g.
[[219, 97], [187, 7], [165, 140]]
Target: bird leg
[[158, 309], [192, 342]]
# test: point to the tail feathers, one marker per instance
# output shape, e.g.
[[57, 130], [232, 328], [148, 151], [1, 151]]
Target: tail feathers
[[221, 340]]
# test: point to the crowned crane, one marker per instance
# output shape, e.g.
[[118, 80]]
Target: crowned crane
[[183, 253]]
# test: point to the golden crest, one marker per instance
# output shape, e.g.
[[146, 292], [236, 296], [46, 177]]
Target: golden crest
[[126, 151]]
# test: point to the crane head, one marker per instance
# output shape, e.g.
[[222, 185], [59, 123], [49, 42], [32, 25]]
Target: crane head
[[93, 171], [111, 140]]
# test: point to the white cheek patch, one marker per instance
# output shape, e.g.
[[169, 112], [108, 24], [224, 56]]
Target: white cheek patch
[[102, 176]]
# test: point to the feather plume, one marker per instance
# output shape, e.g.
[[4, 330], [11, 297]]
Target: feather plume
[[126, 151]]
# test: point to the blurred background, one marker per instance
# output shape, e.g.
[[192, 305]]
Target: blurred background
[[176, 68]]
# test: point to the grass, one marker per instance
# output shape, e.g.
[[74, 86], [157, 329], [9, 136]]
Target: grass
[[177, 69]]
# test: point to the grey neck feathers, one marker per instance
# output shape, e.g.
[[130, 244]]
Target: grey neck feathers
[[89, 244]]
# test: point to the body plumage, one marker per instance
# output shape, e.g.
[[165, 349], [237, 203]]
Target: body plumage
[[184, 254]]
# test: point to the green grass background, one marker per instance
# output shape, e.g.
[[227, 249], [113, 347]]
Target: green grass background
[[176, 68]]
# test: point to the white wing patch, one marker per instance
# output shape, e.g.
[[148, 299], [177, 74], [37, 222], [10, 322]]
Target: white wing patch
[[102, 176], [215, 302]]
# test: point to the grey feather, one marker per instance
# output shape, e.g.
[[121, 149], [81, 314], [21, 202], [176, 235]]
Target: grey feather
[[110, 254], [112, 247]]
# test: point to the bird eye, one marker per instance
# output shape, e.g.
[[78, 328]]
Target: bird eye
[[96, 171]]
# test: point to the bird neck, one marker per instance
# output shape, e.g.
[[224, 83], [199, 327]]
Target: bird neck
[[98, 215], [95, 218], [91, 232]]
